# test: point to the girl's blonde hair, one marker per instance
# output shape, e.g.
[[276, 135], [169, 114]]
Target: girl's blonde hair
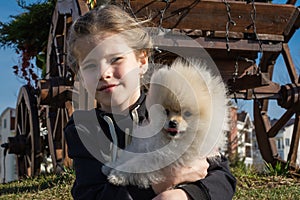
[[103, 20]]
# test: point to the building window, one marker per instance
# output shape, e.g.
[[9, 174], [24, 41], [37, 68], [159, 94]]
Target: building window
[[4, 123], [280, 143], [12, 123], [287, 141], [248, 152], [247, 137]]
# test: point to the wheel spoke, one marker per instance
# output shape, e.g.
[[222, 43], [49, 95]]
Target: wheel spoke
[[64, 120], [67, 115], [292, 156], [22, 118], [289, 63], [261, 127], [26, 126], [281, 122], [19, 128], [28, 137], [28, 160], [56, 123], [28, 165]]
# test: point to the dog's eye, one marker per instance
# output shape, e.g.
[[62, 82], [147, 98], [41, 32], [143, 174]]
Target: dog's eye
[[187, 113], [167, 111]]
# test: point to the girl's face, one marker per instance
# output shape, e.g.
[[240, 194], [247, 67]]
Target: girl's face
[[111, 71]]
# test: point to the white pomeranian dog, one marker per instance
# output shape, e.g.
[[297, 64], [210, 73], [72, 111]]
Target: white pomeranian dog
[[188, 113]]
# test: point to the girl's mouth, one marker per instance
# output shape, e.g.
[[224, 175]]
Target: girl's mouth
[[107, 88]]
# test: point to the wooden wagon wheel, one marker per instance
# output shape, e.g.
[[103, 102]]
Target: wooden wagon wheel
[[56, 121], [56, 111], [59, 81], [289, 98], [27, 132]]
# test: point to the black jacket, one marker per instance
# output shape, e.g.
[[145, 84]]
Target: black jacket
[[84, 141]]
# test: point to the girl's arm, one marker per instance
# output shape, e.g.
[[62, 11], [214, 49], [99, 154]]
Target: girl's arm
[[218, 184]]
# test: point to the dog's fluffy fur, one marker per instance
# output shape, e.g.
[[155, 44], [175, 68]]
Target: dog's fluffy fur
[[187, 107]]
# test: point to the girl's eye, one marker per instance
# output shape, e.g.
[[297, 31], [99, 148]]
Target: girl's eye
[[116, 59], [167, 111], [88, 67], [187, 113]]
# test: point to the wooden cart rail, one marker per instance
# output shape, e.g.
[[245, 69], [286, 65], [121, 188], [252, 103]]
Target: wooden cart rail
[[212, 15]]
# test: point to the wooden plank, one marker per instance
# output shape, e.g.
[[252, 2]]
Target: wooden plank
[[235, 35], [270, 91], [226, 66], [190, 32], [247, 81], [289, 63], [222, 34], [269, 37], [293, 20], [215, 43], [212, 15]]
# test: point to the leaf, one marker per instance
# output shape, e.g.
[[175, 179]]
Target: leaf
[[27, 33]]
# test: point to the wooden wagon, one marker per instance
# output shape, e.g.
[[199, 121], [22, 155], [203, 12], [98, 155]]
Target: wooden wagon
[[234, 33]]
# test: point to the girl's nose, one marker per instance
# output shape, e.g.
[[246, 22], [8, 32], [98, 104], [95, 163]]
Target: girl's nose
[[107, 73]]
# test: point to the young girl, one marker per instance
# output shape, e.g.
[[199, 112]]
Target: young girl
[[109, 51]]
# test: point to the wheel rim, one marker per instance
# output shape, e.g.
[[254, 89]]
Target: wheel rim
[[27, 128], [57, 119]]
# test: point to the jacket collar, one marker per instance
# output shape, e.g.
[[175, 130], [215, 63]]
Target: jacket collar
[[139, 106]]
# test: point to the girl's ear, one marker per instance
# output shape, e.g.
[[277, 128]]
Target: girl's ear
[[143, 59]]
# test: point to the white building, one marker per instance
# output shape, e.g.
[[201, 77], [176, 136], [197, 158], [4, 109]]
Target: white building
[[240, 142], [245, 132], [7, 123], [283, 141]]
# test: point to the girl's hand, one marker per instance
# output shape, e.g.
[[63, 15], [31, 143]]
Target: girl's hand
[[176, 194], [197, 171]]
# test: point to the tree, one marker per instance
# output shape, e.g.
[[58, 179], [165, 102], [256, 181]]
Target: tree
[[27, 33]]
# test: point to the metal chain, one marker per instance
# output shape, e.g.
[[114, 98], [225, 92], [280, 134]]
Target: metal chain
[[228, 23], [236, 69], [253, 19], [127, 3], [235, 75], [162, 12]]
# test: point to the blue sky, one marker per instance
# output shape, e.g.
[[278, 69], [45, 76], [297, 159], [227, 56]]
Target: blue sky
[[10, 84]]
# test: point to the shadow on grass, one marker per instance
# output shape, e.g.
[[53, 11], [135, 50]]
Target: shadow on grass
[[32, 185], [17, 189]]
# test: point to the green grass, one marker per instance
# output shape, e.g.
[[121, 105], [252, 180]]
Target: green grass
[[263, 186], [250, 185], [46, 187]]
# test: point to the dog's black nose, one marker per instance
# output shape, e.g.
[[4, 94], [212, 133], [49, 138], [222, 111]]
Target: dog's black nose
[[173, 124]]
